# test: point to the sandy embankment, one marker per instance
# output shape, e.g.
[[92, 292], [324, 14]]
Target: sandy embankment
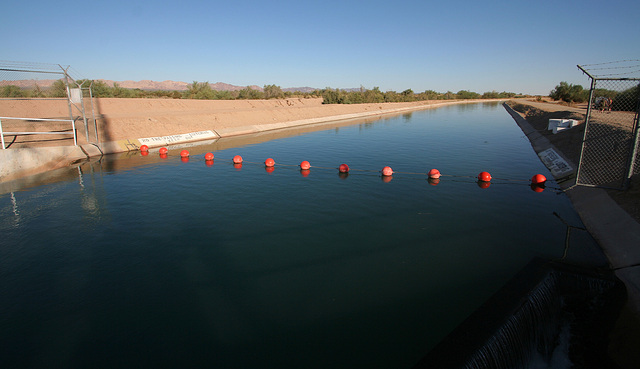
[[120, 119], [121, 122]]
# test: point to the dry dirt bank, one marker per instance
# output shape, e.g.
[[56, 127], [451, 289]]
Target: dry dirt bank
[[119, 119], [569, 142], [121, 122]]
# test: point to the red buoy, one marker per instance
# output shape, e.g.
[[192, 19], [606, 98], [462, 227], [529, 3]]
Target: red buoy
[[434, 173], [269, 162], [344, 168], [144, 148], [163, 151], [387, 171], [237, 159], [305, 165], [538, 179], [484, 177], [208, 156], [184, 154]]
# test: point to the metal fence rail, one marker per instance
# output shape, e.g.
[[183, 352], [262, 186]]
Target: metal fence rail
[[47, 82], [66, 132], [609, 154]]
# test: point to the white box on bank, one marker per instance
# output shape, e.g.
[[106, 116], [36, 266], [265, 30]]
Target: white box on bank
[[557, 125]]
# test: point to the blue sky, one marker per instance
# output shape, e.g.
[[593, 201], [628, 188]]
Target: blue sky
[[517, 46]]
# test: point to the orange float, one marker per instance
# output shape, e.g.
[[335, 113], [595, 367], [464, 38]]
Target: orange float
[[237, 159], [305, 165], [344, 168], [484, 177], [387, 171], [434, 173], [163, 151], [208, 156], [538, 179], [144, 148], [269, 162]]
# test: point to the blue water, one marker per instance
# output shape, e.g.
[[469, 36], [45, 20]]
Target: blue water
[[149, 262]]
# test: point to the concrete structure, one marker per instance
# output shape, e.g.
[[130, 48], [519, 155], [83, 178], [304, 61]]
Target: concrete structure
[[615, 230]]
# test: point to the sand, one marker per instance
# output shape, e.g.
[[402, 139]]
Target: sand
[[120, 119]]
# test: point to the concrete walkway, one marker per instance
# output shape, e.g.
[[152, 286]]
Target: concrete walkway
[[615, 230]]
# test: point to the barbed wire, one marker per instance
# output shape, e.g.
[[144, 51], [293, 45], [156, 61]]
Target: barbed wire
[[614, 68], [29, 66], [613, 62]]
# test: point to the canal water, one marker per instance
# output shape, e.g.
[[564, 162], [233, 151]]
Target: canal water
[[147, 262]]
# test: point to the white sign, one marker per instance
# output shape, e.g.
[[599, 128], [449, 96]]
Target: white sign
[[174, 139], [555, 163], [75, 95]]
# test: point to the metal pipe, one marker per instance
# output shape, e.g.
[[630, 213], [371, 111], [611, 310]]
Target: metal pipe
[[2, 135], [586, 126], [73, 125], [93, 112], [634, 143]]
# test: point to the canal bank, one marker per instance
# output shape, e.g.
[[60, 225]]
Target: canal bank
[[131, 131], [617, 232]]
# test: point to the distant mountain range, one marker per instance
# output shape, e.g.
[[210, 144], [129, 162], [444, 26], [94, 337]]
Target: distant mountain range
[[151, 85]]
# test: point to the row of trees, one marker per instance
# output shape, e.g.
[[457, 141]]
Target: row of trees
[[331, 96], [569, 93], [203, 90], [196, 90]]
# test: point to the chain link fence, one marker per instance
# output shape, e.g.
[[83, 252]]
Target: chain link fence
[[43, 105], [609, 155]]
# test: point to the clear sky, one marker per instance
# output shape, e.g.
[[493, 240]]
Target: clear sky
[[516, 46]]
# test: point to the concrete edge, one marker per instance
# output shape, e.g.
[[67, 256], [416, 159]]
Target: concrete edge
[[617, 233], [22, 162], [540, 143]]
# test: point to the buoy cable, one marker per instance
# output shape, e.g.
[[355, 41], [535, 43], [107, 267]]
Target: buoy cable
[[379, 173]]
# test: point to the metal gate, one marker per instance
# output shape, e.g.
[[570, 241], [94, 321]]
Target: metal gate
[[609, 154], [26, 87]]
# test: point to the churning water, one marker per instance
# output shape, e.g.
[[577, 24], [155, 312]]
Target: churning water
[[148, 262]]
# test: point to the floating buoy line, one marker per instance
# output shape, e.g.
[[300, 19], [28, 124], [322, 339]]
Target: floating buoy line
[[483, 179]]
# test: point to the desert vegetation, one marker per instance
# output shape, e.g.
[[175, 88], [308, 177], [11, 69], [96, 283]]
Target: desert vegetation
[[203, 90], [570, 94]]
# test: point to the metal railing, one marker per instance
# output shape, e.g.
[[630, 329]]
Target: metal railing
[[42, 81], [65, 132]]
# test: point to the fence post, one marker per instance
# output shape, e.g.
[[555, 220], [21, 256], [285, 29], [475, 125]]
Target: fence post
[[586, 125], [2, 135], [634, 149]]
